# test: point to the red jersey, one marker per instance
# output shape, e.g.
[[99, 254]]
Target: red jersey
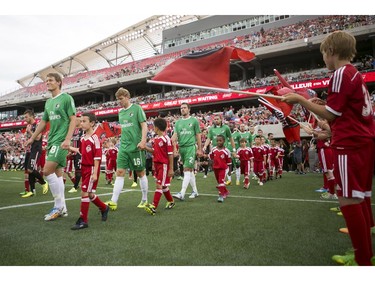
[[221, 158], [273, 152], [111, 154], [281, 151], [348, 98], [245, 154], [90, 150], [162, 149], [258, 153]]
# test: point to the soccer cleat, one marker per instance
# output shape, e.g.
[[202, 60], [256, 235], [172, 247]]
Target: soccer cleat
[[327, 195], [80, 224], [205, 176], [112, 205], [45, 188], [134, 184], [23, 193], [344, 230], [180, 178], [228, 182], [170, 205], [220, 199], [237, 182], [28, 194], [344, 259], [142, 204], [72, 190], [64, 212], [322, 189], [105, 213], [53, 214], [193, 195], [339, 213], [260, 183], [178, 196], [335, 209], [149, 208]]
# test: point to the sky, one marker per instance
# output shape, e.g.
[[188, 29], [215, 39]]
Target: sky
[[35, 34]]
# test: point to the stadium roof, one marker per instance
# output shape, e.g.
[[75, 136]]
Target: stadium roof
[[139, 41]]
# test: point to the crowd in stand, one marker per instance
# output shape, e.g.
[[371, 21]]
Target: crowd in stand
[[252, 41]]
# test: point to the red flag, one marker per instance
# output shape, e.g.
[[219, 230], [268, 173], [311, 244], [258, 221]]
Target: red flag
[[107, 129], [208, 68], [291, 129], [99, 131], [286, 108]]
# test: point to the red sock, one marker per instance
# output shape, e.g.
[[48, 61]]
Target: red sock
[[331, 185], [367, 215], [27, 185], [167, 194], [85, 204], [110, 176], [325, 181], [98, 203], [73, 179], [246, 180], [157, 196], [359, 232], [222, 190], [371, 217]]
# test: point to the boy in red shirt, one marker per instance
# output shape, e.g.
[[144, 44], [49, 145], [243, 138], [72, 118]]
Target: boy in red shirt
[[245, 155], [221, 158], [163, 166], [91, 152], [111, 156], [260, 158], [349, 113]]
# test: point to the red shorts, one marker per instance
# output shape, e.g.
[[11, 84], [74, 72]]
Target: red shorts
[[325, 156], [245, 167], [258, 167], [87, 185], [354, 171], [69, 165], [42, 159], [220, 176], [161, 174], [111, 166]]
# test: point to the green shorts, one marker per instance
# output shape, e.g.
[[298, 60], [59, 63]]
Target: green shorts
[[188, 155], [58, 155], [135, 161]]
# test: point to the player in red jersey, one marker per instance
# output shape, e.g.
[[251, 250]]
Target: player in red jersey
[[349, 113], [221, 158], [111, 152], [91, 156], [279, 161], [260, 159], [246, 157], [162, 150], [273, 164]]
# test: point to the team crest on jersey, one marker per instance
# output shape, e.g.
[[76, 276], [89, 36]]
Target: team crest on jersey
[[88, 149], [190, 124], [222, 156], [131, 114], [57, 106], [161, 144]]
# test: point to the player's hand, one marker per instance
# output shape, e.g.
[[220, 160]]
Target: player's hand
[[199, 153], [292, 98], [28, 142], [94, 178], [170, 173], [141, 145], [65, 144], [317, 101]]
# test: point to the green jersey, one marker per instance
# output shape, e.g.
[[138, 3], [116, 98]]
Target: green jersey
[[130, 120], [57, 112], [236, 138], [248, 137], [186, 130], [223, 130]]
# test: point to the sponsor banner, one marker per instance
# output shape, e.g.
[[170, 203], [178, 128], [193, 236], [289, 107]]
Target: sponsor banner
[[13, 124]]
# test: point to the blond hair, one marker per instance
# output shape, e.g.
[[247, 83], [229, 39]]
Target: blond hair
[[339, 43], [122, 92]]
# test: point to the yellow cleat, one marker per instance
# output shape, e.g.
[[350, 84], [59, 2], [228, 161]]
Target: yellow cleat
[[72, 190], [28, 194], [228, 182], [112, 205], [134, 184], [142, 205], [237, 183], [45, 188]]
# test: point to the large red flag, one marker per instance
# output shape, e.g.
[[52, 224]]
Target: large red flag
[[207, 68]]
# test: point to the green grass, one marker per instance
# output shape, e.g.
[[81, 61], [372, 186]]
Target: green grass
[[282, 223]]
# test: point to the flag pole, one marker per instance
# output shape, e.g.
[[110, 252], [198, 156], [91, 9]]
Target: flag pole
[[212, 89]]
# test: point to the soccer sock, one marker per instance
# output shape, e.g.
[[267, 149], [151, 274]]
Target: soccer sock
[[62, 191], [144, 187], [85, 205], [32, 182], [367, 215], [325, 181], [205, 169], [185, 183], [167, 194], [38, 176], [119, 183], [238, 174], [222, 190], [135, 176], [369, 209], [246, 179], [157, 196], [53, 183], [358, 231], [77, 179], [26, 182], [193, 182], [98, 203], [331, 185]]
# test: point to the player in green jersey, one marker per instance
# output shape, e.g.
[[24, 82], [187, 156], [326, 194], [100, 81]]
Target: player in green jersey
[[235, 161], [131, 156], [188, 135], [60, 112], [219, 128]]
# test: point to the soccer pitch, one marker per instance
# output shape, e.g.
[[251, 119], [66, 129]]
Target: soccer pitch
[[283, 223]]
